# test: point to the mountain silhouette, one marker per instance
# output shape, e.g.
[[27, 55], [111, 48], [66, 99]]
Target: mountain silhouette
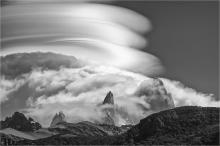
[[187, 125], [19, 122], [109, 99], [109, 111]]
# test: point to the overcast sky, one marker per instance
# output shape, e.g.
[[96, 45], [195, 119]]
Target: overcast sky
[[185, 38]]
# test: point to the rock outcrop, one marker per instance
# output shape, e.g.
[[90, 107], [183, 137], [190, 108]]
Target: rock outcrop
[[109, 98], [19, 122], [109, 110], [58, 118]]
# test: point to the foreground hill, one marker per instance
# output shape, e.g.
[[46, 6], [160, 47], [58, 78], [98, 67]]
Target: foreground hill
[[183, 125]]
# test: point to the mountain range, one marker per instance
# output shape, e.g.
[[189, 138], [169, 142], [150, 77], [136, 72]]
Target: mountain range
[[188, 125]]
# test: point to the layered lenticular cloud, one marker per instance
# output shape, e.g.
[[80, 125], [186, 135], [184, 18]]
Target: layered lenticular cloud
[[97, 33]]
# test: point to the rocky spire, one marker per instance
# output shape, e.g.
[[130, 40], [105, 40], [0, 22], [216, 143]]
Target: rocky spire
[[109, 111], [60, 117], [109, 98]]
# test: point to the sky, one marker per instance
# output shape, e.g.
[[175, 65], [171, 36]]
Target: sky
[[185, 37], [117, 46]]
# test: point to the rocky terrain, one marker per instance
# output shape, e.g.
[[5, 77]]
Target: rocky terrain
[[187, 125], [19, 122], [58, 118], [183, 125]]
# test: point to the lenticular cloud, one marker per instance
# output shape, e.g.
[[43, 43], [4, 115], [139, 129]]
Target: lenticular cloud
[[98, 33]]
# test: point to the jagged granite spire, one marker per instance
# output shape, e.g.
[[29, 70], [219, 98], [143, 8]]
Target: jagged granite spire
[[60, 117], [109, 111], [109, 98]]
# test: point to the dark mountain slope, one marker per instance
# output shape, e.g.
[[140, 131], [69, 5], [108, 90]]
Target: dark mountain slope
[[9, 139], [183, 125], [19, 122], [76, 134], [78, 129]]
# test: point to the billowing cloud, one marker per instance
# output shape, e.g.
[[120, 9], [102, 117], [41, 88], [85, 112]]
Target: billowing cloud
[[84, 89], [155, 94], [96, 33], [8, 86], [78, 92], [184, 96]]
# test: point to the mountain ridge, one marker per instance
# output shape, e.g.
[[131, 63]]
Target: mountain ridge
[[19, 122], [188, 125]]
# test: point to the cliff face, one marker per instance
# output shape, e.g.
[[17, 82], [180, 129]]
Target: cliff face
[[109, 118], [153, 92], [109, 99], [58, 118]]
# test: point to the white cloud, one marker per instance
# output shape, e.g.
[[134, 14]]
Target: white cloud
[[47, 1], [184, 96], [44, 80], [83, 89], [105, 34], [74, 111], [7, 86], [79, 91]]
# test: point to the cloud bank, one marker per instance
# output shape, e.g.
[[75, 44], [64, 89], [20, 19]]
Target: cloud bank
[[79, 91], [183, 95]]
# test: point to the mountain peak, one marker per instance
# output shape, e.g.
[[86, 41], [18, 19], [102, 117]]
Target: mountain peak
[[59, 117], [109, 98], [19, 122]]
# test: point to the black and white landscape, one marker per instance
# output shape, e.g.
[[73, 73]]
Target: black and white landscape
[[89, 72]]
